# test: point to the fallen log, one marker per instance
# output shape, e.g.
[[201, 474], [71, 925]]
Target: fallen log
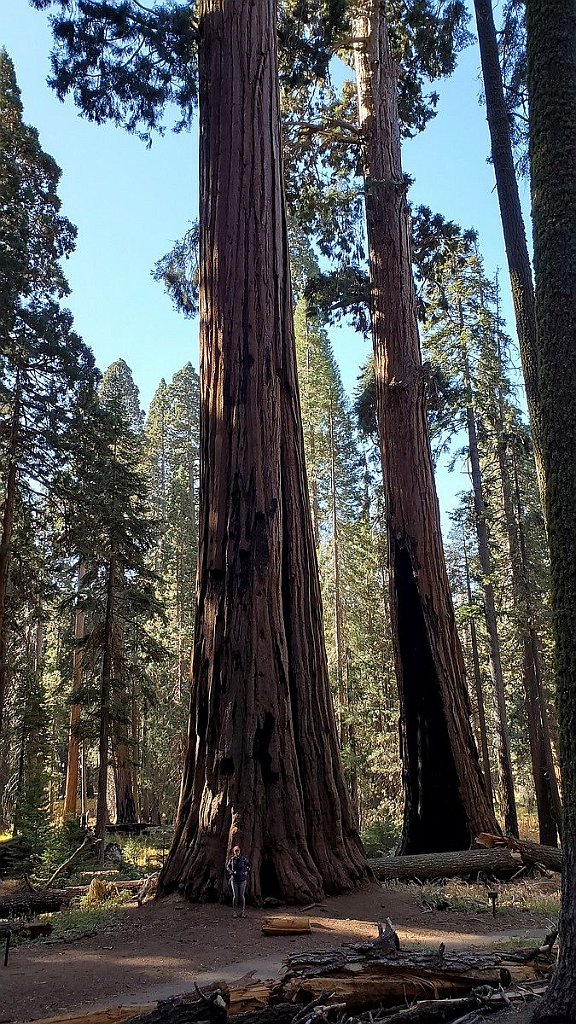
[[531, 853], [46, 901], [363, 981], [109, 873], [496, 861], [286, 925]]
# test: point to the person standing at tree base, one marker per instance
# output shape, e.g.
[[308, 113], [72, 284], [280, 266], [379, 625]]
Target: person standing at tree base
[[238, 869]]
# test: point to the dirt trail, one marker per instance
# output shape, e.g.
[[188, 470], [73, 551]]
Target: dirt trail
[[160, 949]]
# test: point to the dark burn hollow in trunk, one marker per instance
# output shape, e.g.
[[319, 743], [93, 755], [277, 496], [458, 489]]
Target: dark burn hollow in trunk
[[442, 777], [433, 807], [263, 765]]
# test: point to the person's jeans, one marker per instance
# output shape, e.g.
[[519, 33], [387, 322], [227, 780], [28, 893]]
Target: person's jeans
[[238, 894]]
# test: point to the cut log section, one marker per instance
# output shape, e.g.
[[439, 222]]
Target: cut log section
[[286, 925]]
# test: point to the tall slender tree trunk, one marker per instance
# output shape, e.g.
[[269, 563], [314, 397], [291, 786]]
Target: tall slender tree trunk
[[6, 540], [544, 771], [105, 694], [479, 690], [445, 799], [545, 784], [341, 690], [122, 741], [551, 35], [517, 256], [84, 785], [504, 755], [73, 763], [263, 765]]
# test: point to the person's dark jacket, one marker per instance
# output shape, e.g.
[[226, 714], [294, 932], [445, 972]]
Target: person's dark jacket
[[238, 868]]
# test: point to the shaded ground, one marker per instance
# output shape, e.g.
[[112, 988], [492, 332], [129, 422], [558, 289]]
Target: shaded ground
[[161, 948]]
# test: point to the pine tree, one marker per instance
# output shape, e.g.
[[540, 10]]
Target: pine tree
[[45, 369], [519, 268], [172, 466], [110, 534]]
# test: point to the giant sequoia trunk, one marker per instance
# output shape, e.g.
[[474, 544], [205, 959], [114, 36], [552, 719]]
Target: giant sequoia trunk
[[263, 766], [513, 228], [445, 798], [551, 33]]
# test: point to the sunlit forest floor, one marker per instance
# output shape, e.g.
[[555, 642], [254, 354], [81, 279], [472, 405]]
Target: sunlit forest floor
[[140, 954]]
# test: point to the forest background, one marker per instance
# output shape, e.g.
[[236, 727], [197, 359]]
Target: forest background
[[126, 223]]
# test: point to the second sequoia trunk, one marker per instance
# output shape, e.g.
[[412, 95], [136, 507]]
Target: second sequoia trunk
[[263, 766], [445, 797]]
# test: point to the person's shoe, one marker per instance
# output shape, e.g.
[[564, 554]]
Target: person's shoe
[[243, 914]]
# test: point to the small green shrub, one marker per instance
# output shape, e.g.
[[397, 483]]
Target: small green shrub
[[381, 837], [82, 918], [60, 843]]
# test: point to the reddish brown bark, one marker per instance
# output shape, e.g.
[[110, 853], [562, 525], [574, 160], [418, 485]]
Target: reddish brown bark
[[551, 31], [445, 795], [263, 764], [123, 774]]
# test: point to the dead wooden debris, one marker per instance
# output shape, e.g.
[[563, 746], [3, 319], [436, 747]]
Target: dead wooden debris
[[148, 888], [361, 983], [69, 860], [363, 978], [503, 857], [286, 925], [471, 1008], [45, 901], [105, 873], [549, 857]]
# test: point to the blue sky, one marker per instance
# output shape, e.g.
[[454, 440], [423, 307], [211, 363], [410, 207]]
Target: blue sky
[[131, 203]]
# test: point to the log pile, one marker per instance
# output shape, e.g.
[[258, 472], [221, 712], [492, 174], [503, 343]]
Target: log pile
[[361, 977], [356, 984]]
